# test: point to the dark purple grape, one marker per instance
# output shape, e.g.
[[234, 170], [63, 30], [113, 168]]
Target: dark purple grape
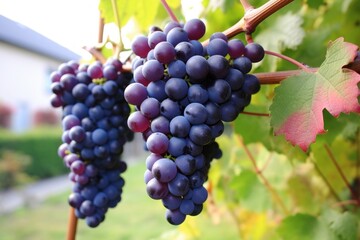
[[254, 51]]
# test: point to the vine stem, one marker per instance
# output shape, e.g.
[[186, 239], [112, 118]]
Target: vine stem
[[120, 45], [247, 6], [72, 225], [332, 190], [277, 77], [253, 17], [101, 29], [343, 177], [263, 178], [347, 202], [169, 11], [256, 114], [289, 59]]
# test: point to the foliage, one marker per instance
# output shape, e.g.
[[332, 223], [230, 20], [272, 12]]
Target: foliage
[[41, 146], [11, 169], [271, 189]]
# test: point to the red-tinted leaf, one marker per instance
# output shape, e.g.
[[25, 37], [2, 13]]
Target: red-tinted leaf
[[297, 109]]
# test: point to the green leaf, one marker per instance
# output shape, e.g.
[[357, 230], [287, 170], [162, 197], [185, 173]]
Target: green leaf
[[344, 225], [304, 227], [299, 100], [315, 3], [250, 192], [300, 189], [145, 13], [285, 32]]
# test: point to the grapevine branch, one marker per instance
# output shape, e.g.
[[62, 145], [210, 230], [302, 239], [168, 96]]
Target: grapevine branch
[[263, 178], [253, 17], [332, 190], [72, 225], [247, 6], [343, 177]]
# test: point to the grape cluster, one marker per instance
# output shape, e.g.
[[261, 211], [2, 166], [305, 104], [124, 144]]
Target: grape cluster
[[95, 129], [183, 93]]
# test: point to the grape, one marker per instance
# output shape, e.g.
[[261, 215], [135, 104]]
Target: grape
[[95, 71], [164, 170], [94, 132], [176, 88], [164, 52], [182, 95], [177, 35], [160, 124], [157, 143], [197, 93], [236, 48], [184, 51], [177, 69], [219, 66], [254, 51], [177, 146], [156, 189], [140, 46], [195, 113], [186, 164], [197, 68], [243, 64], [187, 207], [217, 46], [135, 93], [218, 35], [180, 126], [155, 38], [150, 108], [171, 202], [138, 122], [195, 29], [175, 217], [220, 91], [153, 70]]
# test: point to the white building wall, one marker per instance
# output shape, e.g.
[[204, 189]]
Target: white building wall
[[24, 82]]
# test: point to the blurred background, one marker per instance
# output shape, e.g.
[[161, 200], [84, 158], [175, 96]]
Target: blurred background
[[37, 36]]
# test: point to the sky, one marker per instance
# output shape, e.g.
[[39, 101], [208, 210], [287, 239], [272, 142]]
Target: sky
[[71, 23]]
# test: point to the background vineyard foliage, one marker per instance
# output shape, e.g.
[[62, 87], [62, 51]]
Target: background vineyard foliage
[[301, 197]]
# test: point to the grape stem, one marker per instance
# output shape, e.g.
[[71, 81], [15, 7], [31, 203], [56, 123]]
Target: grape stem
[[256, 114], [289, 59], [95, 53], [274, 194], [169, 11], [72, 225]]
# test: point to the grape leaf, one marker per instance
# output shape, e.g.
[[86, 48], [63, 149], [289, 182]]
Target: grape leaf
[[344, 225], [299, 101], [304, 227], [285, 32]]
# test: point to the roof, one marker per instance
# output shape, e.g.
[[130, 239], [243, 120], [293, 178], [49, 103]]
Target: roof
[[21, 36]]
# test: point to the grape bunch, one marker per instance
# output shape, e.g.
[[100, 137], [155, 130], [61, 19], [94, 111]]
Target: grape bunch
[[95, 130], [183, 93]]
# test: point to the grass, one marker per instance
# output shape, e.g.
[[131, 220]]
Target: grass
[[137, 217]]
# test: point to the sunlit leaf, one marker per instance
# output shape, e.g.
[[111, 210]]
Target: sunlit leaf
[[300, 100]]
